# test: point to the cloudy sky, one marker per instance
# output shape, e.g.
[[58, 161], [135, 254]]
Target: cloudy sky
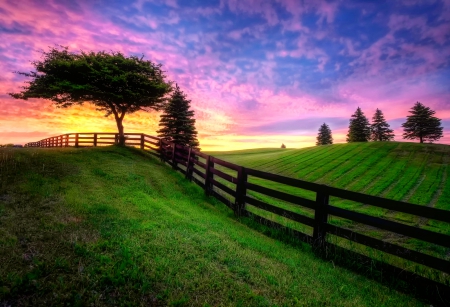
[[259, 72]]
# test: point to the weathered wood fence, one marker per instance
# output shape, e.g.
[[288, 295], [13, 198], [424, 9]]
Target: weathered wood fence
[[207, 173]]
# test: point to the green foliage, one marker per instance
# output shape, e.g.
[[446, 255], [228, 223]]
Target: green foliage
[[324, 137], [359, 128], [379, 129], [113, 226], [112, 82], [178, 123], [422, 125]]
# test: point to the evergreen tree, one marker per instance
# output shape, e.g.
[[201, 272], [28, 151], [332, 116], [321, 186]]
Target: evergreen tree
[[283, 146], [379, 129], [324, 137], [359, 128], [422, 125], [177, 122]]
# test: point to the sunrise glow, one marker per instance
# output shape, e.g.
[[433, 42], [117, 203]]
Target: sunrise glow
[[259, 73]]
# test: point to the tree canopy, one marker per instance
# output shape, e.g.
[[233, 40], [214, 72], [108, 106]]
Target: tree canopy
[[114, 83], [359, 128], [177, 122], [380, 129], [422, 125], [324, 136]]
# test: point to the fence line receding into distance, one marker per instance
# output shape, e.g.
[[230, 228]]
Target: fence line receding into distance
[[215, 177]]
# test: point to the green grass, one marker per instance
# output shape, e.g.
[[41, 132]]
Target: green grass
[[114, 226], [402, 171], [411, 172]]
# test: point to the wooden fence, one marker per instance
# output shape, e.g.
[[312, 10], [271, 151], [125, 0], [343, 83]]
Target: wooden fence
[[141, 140], [204, 170]]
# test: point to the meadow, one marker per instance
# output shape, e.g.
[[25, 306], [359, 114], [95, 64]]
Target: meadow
[[115, 226], [409, 172]]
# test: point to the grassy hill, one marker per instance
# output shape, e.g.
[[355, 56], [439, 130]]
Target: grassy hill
[[410, 172], [114, 226]]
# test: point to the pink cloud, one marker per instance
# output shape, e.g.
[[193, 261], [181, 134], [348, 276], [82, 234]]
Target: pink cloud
[[227, 96]]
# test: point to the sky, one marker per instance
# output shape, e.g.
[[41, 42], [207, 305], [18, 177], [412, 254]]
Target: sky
[[259, 73]]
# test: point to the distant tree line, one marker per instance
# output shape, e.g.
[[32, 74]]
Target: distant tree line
[[421, 125]]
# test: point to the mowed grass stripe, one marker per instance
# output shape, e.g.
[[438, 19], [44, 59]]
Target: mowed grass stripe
[[298, 169], [285, 159], [373, 175], [371, 162], [333, 163], [409, 178], [304, 167], [392, 175], [433, 175], [300, 158]]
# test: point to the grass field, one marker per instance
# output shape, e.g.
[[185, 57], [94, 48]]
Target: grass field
[[415, 173], [114, 226], [410, 172]]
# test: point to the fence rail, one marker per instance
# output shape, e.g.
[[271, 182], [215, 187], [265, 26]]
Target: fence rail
[[207, 175]]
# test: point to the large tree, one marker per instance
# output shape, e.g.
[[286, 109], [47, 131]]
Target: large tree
[[380, 129], [359, 128], [422, 125], [324, 136], [177, 122], [112, 82]]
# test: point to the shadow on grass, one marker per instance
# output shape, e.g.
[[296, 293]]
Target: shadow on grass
[[395, 278]]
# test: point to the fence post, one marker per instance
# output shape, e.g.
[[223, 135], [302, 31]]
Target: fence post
[[209, 175], [241, 191], [95, 140], [142, 141], [174, 151], [189, 165], [320, 219], [116, 138], [76, 139], [162, 153]]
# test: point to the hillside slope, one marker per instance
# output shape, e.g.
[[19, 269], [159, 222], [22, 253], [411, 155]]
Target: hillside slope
[[114, 226], [411, 172]]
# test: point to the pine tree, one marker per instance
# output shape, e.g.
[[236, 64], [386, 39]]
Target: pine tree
[[422, 125], [359, 128], [324, 137], [283, 146], [379, 129], [177, 122]]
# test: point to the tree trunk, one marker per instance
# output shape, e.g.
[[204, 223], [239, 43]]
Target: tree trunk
[[120, 128], [421, 139]]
